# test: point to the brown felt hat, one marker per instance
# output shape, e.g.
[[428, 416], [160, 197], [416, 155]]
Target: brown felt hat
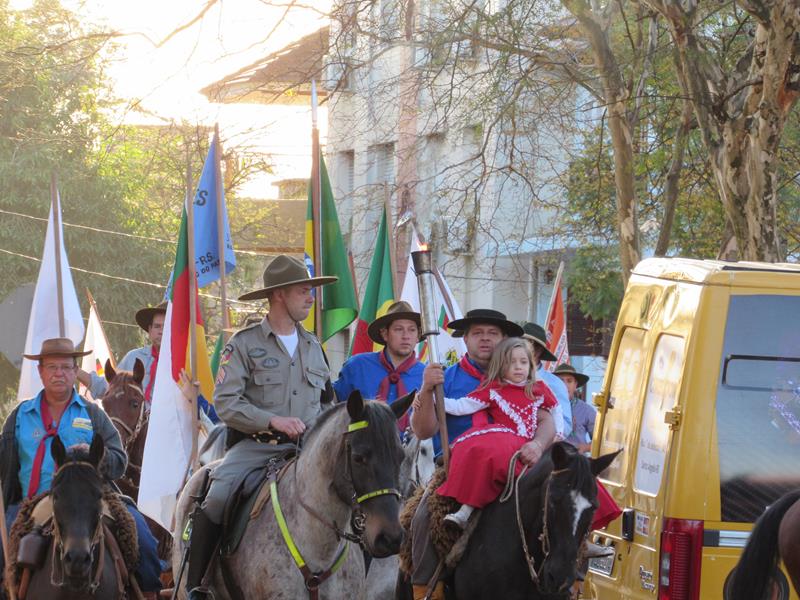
[[144, 316], [284, 271], [398, 310], [57, 347], [567, 369], [536, 333]]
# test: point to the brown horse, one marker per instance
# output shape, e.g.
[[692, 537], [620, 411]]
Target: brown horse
[[775, 536], [124, 403]]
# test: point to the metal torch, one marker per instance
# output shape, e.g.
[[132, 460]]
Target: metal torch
[[423, 267]]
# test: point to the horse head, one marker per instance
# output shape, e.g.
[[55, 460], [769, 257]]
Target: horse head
[[124, 403], [77, 494], [368, 471], [570, 499]]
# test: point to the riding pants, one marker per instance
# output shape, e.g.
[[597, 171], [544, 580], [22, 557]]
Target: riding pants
[[148, 571], [245, 456], [423, 554]]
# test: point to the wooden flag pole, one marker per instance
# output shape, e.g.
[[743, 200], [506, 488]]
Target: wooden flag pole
[[56, 208], [223, 289], [389, 231], [93, 305], [316, 209], [192, 309]]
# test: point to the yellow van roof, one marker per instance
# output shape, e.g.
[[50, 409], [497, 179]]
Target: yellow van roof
[[719, 272]]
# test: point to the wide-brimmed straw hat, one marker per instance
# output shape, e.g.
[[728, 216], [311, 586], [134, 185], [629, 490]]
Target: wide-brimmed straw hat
[[486, 316], [57, 347], [284, 271], [535, 333], [398, 310], [566, 369], [144, 316]]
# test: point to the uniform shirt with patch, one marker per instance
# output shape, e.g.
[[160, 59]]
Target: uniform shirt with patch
[[75, 427]]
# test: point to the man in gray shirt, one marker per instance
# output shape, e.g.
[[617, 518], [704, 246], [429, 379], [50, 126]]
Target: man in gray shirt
[[583, 415], [270, 380]]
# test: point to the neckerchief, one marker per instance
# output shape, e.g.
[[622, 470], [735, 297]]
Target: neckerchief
[[50, 430], [149, 391], [470, 369], [393, 375]]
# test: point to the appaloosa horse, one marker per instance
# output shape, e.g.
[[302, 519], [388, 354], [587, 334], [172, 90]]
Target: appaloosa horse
[[349, 463], [80, 564], [530, 542], [125, 405], [775, 536]]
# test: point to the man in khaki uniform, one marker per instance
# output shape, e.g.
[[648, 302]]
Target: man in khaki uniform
[[268, 389]]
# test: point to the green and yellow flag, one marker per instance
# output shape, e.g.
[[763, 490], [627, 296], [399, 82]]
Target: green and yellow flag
[[339, 304]]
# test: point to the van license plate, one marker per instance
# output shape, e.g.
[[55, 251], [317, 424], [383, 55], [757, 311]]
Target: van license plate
[[602, 565]]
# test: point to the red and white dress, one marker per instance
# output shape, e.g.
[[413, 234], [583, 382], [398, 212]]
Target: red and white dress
[[479, 462]]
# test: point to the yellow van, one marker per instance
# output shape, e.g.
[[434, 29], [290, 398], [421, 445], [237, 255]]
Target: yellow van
[[702, 392]]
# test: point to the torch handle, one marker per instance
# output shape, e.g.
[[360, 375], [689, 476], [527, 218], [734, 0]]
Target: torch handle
[[441, 416]]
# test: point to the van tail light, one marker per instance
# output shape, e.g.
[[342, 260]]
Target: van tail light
[[681, 556]]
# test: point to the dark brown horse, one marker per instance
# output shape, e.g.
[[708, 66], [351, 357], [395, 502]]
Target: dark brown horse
[[124, 403], [776, 536]]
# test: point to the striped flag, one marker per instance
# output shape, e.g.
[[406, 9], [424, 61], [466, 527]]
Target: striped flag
[[557, 324], [168, 447]]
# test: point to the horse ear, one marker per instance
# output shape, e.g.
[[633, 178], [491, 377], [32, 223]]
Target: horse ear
[[561, 455], [109, 371], [601, 463], [355, 406], [138, 371], [58, 451], [401, 405], [97, 450]]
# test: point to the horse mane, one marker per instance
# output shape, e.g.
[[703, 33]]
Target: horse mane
[[76, 455], [375, 412]]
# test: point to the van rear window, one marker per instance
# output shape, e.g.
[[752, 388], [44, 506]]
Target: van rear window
[[758, 405]]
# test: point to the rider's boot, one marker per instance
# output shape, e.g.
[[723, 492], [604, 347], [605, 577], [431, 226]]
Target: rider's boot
[[203, 543], [436, 594]]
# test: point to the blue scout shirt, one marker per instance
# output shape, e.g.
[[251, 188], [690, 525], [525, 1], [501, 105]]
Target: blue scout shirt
[[364, 372], [559, 389], [457, 384], [75, 427], [144, 354]]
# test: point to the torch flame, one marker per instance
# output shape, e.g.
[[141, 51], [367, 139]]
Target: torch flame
[[423, 247]]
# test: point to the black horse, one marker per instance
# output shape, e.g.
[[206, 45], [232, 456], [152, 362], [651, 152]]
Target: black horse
[[553, 508]]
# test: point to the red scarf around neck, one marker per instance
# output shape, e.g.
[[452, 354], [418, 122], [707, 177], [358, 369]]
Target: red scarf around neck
[[471, 369], [50, 430], [393, 375], [148, 393]]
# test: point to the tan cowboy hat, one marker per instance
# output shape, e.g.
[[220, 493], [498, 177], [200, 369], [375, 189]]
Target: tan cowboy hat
[[398, 310], [536, 333], [144, 316], [282, 272], [57, 347], [567, 369]]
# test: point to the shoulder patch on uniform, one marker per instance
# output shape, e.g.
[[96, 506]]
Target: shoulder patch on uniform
[[220, 376], [226, 355]]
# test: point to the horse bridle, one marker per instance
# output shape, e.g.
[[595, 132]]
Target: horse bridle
[[97, 541], [313, 580], [133, 433]]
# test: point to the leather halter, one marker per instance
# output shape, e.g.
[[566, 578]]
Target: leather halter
[[133, 433], [313, 580]]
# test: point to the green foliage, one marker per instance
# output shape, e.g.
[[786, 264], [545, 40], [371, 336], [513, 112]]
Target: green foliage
[[595, 281]]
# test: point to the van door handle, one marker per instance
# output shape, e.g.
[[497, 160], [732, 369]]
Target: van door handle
[[628, 520]]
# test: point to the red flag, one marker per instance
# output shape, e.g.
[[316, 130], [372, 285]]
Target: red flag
[[557, 325]]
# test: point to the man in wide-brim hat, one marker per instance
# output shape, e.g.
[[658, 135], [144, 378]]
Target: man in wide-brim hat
[[583, 415], [27, 466], [151, 320], [393, 370], [537, 338], [271, 378]]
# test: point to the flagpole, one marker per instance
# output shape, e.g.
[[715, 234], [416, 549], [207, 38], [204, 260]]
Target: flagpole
[[316, 212], [192, 308], [56, 207], [223, 291], [556, 284], [93, 305], [389, 229]]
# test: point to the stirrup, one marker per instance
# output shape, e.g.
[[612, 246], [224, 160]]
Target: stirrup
[[195, 593]]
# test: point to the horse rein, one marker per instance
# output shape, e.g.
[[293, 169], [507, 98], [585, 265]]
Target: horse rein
[[313, 580], [133, 433]]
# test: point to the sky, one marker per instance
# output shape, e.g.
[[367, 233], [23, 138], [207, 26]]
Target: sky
[[167, 80]]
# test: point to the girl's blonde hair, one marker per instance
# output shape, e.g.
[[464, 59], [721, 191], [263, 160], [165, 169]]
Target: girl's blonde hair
[[501, 359]]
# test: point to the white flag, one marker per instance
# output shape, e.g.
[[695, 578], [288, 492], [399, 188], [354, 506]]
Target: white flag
[[447, 309], [44, 321], [97, 342]]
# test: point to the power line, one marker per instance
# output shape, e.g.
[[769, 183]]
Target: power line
[[120, 233]]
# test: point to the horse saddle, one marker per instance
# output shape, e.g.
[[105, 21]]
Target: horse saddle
[[251, 492]]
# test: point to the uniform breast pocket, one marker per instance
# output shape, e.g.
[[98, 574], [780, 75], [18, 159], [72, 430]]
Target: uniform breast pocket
[[317, 376], [269, 383]]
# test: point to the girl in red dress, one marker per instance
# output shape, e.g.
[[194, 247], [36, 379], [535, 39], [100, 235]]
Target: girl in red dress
[[516, 404]]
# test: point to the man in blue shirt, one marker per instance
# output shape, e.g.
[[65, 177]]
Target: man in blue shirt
[[535, 334], [26, 463], [482, 330], [389, 373]]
